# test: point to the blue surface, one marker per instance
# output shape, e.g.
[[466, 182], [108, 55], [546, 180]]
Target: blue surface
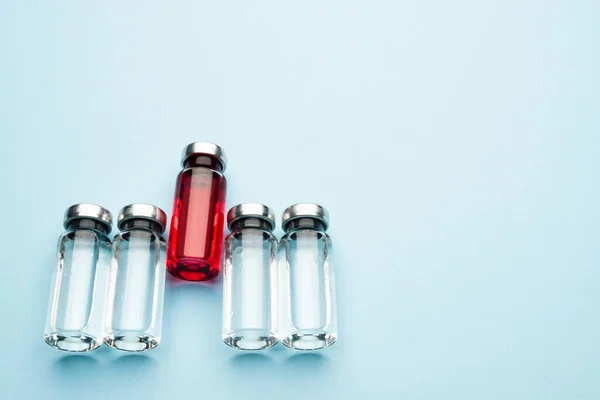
[[456, 145]]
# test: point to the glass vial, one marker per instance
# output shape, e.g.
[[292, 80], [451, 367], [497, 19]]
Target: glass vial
[[307, 291], [75, 320], [137, 279], [249, 278], [196, 235]]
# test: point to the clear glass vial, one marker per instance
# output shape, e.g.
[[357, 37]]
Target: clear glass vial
[[75, 320], [196, 235], [249, 278], [308, 318], [137, 279]]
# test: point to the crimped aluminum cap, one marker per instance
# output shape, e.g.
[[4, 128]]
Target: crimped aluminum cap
[[89, 211], [248, 210], [142, 211], [204, 148], [305, 210]]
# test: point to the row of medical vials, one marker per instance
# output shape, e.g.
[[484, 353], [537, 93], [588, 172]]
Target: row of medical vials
[[113, 291]]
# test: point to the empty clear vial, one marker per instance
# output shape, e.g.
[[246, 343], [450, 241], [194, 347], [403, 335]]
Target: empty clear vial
[[137, 279], [249, 278], [75, 320], [308, 318]]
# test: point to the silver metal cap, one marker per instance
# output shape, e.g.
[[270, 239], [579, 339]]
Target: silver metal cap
[[142, 211], [204, 148], [246, 210], [305, 210], [90, 211]]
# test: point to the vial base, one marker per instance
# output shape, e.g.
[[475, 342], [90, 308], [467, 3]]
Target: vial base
[[192, 269], [309, 340], [132, 342], [250, 339], [72, 341]]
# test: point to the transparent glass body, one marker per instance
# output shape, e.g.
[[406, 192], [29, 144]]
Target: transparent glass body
[[308, 319], [136, 289], [197, 224], [75, 319], [249, 287]]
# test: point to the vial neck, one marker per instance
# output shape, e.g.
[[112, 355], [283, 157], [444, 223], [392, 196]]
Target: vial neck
[[305, 223], [141, 223], [87, 223], [203, 161], [257, 223]]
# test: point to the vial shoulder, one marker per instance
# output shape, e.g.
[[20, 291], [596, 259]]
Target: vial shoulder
[[84, 234], [139, 234], [238, 234], [201, 170], [306, 234]]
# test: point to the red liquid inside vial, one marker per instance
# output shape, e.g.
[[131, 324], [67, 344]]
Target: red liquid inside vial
[[196, 236]]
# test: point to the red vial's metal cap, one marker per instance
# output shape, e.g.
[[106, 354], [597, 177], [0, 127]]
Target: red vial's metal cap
[[204, 148]]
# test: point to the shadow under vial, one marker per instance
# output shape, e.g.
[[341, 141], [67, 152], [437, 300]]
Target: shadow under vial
[[309, 360], [76, 363], [246, 360], [133, 361]]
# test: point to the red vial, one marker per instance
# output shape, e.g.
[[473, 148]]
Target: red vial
[[196, 237]]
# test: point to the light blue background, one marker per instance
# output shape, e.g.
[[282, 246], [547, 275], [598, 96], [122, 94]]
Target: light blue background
[[455, 143]]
